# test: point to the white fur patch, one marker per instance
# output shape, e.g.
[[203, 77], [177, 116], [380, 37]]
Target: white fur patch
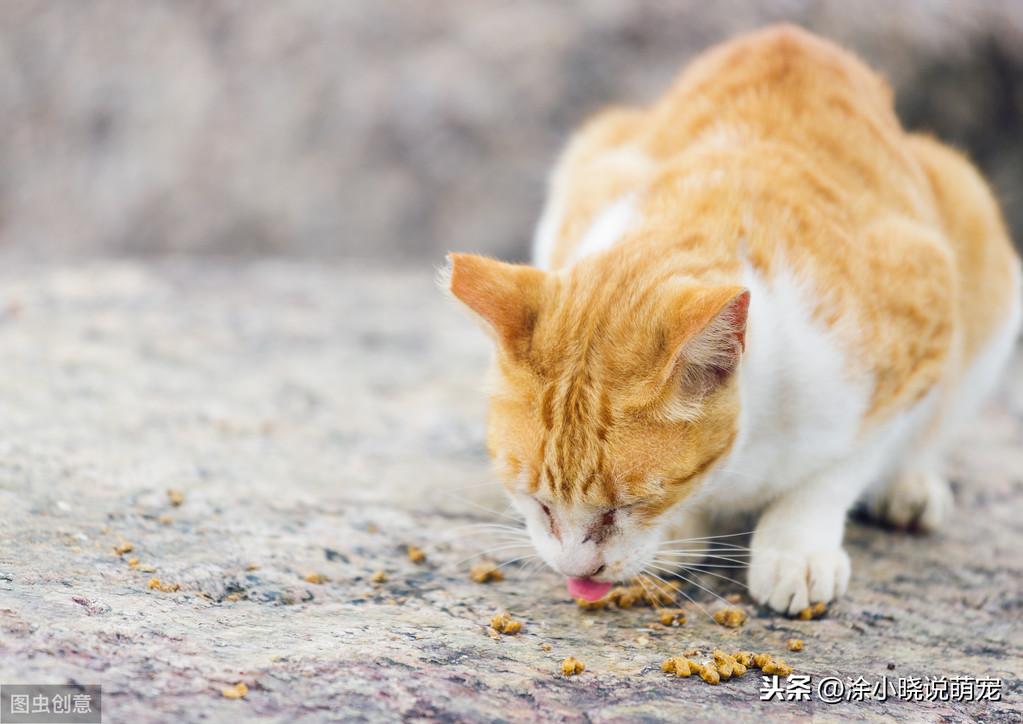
[[607, 228]]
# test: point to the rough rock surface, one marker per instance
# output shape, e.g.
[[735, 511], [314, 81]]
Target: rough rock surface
[[317, 420], [361, 128]]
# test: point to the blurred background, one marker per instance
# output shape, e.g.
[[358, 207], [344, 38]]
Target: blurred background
[[397, 130]]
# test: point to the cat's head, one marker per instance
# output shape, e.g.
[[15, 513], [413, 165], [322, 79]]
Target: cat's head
[[612, 395]]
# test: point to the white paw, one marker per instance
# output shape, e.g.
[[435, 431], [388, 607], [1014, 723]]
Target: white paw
[[917, 500], [789, 581]]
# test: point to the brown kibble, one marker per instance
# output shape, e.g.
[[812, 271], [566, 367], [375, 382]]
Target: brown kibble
[[252, 567], [123, 548], [545, 646], [378, 577], [238, 691], [133, 562], [317, 578], [176, 497], [672, 616], [145, 568], [155, 584], [710, 674], [777, 667], [744, 657], [814, 611], [164, 520], [503, 622], [597, 605], [677, 665], [732, 617], [727, 666], [794, 644], [572, 666], [485, 572], [761, 660], [236, 596], [416, 555]]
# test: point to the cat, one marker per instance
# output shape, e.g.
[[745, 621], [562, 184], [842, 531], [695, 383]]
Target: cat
[[758, 296]]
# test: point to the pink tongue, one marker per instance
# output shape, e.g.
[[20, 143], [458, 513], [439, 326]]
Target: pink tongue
[[587, 589]]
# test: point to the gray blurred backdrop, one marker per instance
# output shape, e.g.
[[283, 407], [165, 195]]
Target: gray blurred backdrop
[[400, 129]]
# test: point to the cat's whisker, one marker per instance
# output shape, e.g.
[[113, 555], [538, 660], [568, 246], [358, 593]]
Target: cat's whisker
[[698, 565], [515, 560], [492, 550], [484, 508], [702, 588], [646, 570], [710, 537], [712, 558], [698, 572]]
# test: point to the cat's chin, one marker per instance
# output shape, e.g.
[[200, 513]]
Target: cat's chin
[[587, 589]]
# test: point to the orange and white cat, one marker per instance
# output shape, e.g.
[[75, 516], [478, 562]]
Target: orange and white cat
[[759, 295]]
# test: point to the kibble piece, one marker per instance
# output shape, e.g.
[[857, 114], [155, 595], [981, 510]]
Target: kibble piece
[[710, 674], [794, 644], [777, 667], [761, 660], [572, 666], [378, 577], [545, 646], [727, 665], [317, 578], [123, 548], [176, 497], [672, 616], [238, 691], [416, 555], [732, 617], [815, 611], [677, 665], [486, 572], [164, 520], [133, 562], [744, 657], [158, 585], [505, 624]]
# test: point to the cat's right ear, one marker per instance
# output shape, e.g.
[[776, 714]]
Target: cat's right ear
[[505, 297]]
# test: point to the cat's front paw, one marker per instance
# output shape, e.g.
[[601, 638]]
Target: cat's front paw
[[789, 581]]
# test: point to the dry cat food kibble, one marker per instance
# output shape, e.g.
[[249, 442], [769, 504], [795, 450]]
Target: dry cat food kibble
[[378, 577], [645, 591], [815, 611], [485, 572], [317, 578], [732, 617], [155, 584], [572, 666], [123, 548], [794, 644], [724, 666], [238, 691], [176, 497], [672, 616], [502, 622], [416, 555]]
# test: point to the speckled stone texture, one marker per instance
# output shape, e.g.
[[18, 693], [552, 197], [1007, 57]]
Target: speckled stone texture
[[318, 419]]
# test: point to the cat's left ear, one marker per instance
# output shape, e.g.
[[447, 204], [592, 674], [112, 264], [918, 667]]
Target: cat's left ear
[[709, 337], [506, 297]]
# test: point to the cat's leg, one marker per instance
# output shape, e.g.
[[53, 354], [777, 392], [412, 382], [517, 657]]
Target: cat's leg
[[916, 497], [797, 554]]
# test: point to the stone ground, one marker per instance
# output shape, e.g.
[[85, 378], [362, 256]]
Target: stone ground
[[317, 420]]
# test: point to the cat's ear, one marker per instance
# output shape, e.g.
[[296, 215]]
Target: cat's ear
[[506, 297], [706, 338]]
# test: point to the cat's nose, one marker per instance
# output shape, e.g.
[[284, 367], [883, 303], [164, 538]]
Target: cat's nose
[[586, 570]]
